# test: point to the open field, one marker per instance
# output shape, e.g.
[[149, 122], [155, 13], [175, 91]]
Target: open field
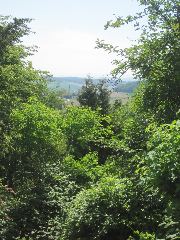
[[119, 95], [124, 96]]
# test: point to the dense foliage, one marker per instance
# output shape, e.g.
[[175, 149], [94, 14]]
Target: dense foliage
[[95, 95], [92, 172]]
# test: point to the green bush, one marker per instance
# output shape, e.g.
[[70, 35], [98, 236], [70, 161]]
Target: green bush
[[99, 213], [39, 211]]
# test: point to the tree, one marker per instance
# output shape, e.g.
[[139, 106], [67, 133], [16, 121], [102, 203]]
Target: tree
[[155, 59], [163, 161], [103, 96], [53, 99], [79, 173], [88, 94], [35, 140], [83, 129], [127, 87], [18, 79], [95, 96], [12, 31], [98, 213]]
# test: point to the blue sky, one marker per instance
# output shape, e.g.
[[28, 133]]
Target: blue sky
[[66, 31]]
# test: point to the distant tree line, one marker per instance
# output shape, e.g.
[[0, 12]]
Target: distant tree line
[[127, 87]]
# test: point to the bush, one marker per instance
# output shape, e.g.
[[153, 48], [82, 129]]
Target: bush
[[99, 213]]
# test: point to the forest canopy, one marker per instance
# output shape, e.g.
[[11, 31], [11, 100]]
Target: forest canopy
[[69, 172]]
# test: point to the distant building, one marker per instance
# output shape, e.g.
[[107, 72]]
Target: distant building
[[69, 90]]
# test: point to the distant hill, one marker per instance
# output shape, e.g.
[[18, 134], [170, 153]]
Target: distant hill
[[72, 79], [82, 80], [75, 84]]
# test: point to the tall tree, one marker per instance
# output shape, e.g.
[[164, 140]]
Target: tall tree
[[155, 58], [18, 79], [88, 94], [95, 95]]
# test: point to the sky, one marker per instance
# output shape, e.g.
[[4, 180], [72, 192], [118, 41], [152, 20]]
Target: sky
[[67, 30]]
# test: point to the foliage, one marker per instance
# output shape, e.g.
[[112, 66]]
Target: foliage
[[82, 127], [128, 87], [98, 213], [34, 140], [95, 96], [113, 208], [90, 172], [155, 57], [163, 169], [12, 31], [53, 99], [143, 236], [163, 159], [38, 212], [83, 172], [19, 81]]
